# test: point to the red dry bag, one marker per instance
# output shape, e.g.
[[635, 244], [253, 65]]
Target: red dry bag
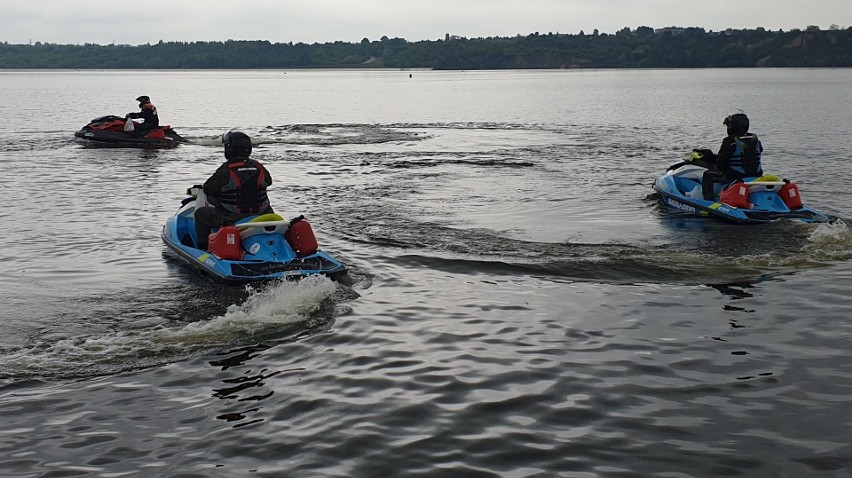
[[789, 193], [225, 243], [736, 195], [301, 238]]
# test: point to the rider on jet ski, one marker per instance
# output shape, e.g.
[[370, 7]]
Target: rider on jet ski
[[738, 157], [237, 189], [148, 113]]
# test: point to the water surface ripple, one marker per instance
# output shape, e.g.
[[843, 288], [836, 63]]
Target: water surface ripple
[[521, 306]]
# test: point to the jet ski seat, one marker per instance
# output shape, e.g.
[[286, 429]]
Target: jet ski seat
[[262, 224]]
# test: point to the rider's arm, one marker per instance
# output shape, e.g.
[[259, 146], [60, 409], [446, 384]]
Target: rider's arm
[[268, 176], [214, 184], [727, 149]]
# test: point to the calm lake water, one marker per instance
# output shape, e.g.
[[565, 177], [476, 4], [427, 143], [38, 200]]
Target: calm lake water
[[522, 305]]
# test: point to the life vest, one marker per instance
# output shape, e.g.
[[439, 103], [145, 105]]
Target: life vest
[[746, 153], [149, 114], [246, 189]]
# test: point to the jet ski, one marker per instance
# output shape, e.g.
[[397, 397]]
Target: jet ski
[[256, 248], [109, 131], [754, 200]]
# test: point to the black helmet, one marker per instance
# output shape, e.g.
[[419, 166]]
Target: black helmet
[[737, 123], [143, 99], [237, 144]]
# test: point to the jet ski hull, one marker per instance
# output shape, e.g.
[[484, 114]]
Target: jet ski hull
[[109, 131], [680, 189], [267, 254]]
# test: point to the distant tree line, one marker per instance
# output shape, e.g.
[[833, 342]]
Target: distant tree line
[[643, 47]]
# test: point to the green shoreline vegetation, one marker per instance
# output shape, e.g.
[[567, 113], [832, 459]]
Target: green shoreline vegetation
[[644, 47]]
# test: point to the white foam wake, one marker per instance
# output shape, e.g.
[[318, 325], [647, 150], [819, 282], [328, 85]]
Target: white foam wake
[[268, 309]]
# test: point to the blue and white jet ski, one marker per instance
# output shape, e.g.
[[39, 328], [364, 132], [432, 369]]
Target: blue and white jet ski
[[768, 197], [257, 248]]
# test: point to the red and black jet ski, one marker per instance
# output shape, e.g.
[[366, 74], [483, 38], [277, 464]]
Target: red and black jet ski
[[109, 131]]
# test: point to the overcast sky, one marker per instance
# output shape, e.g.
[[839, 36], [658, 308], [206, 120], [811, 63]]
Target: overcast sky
[[318, 21]]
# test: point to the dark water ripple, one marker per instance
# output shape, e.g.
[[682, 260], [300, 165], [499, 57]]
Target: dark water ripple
[[523, 398]]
